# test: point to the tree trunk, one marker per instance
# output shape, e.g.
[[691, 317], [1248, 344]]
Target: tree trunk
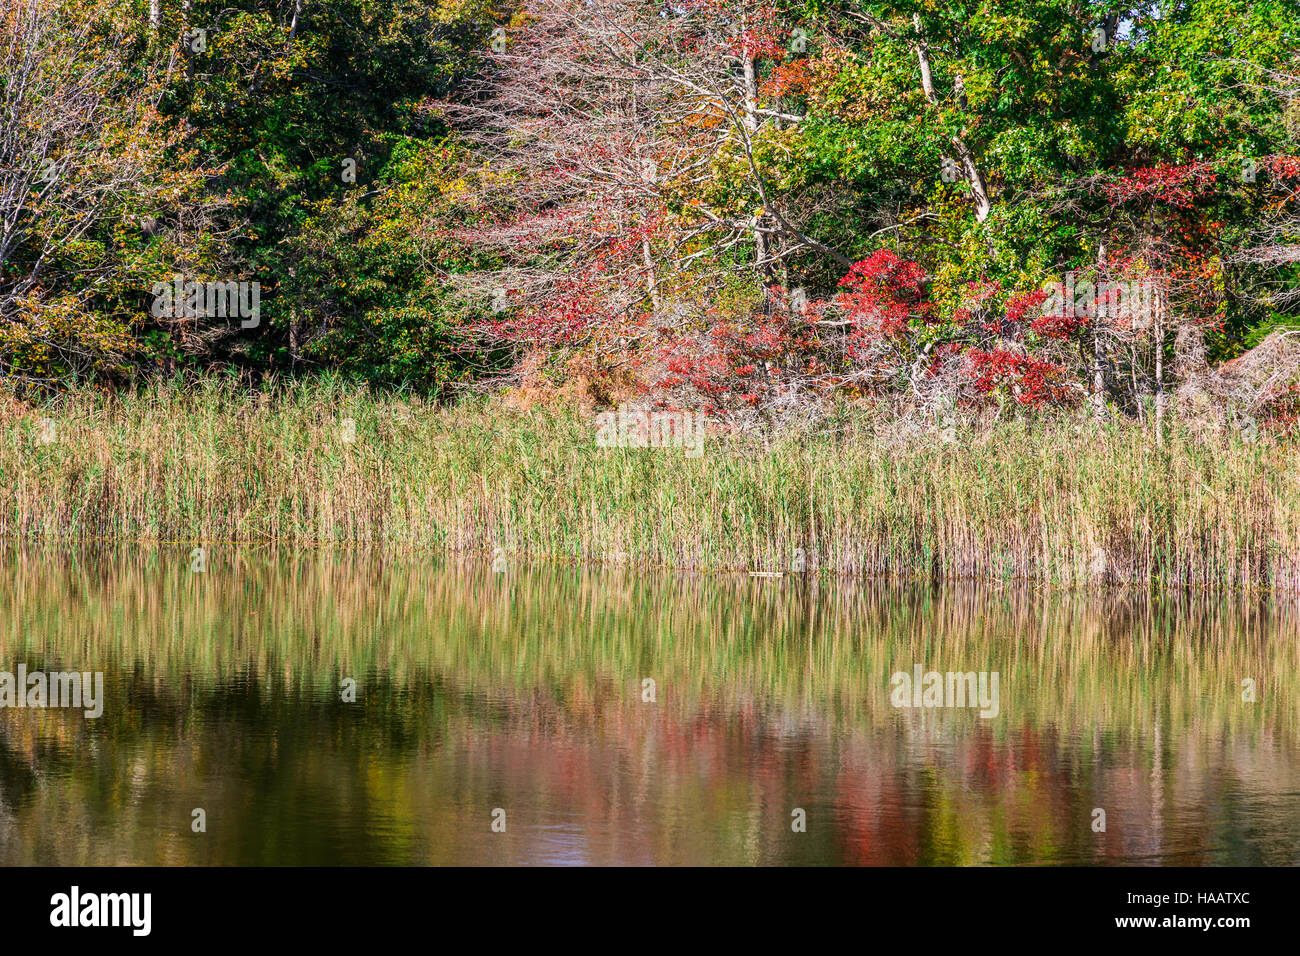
[[647, 170], [1098, 354], [651, 284], [187, 8], [761, 266], [983, 205]]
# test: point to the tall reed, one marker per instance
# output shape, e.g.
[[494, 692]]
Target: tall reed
[[1070, 503]]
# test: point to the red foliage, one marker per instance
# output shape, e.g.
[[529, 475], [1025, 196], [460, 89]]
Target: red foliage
[[1034, 382], [1021, 304], [788, 79], [882, 293], [758, 43], [728, 363], [1058, 326], [1284, 167], [1176, 185], [566, 319]]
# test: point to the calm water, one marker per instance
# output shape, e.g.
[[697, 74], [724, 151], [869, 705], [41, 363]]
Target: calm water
[[524, 692]]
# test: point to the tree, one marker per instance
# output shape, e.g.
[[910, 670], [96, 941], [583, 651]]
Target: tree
[[83, 184], [628, 172]]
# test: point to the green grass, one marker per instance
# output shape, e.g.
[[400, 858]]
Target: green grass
[[1063, 502]]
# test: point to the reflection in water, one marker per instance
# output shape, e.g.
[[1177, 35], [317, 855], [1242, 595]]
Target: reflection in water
[[524, 691]]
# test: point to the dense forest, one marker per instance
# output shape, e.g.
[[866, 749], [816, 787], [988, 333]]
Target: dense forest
[[749, 208]]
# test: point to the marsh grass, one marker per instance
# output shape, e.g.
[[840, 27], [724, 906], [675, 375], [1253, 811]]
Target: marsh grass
[[1064, 502]]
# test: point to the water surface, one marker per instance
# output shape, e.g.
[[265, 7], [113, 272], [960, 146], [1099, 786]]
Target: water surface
[[525, 692]]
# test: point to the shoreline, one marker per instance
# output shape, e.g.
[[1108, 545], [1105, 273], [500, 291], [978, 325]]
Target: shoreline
[[471, 560]]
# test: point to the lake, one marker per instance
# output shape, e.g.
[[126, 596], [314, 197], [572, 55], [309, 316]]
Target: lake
[[326, 708]]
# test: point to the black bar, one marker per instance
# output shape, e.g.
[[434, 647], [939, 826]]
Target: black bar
[[491, 906]]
